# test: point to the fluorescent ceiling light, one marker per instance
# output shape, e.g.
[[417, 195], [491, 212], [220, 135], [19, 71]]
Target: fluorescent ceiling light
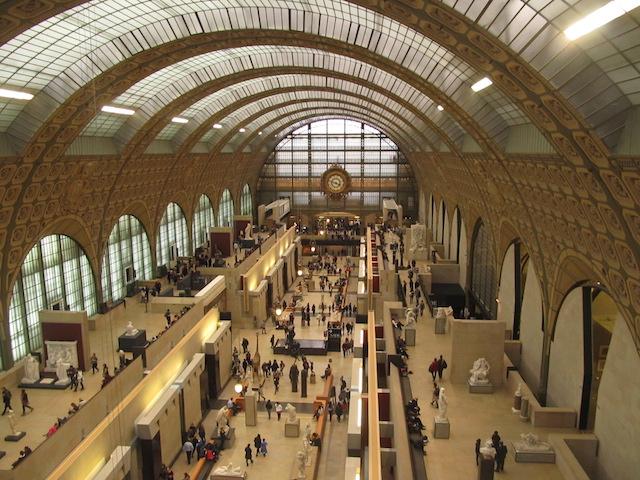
[[118, 110], [217, 126], [259, 133], [600, 17], [481, 84], [242, 130], [440, 108], [15, 94], [179, 120]]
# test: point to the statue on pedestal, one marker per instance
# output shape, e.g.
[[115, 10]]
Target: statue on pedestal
[[410, 315], [301, 464], [31, 370], [222, 419], [291, 413], [442, 405], [12, 422], [293, 376], [131, 330], [479, 372], [531, 442], [307, 433], [303, 381]]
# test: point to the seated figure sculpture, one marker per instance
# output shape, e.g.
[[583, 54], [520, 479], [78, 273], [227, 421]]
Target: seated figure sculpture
[[479, 372]]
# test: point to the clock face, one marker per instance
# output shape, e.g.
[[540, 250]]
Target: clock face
[[336, 182]]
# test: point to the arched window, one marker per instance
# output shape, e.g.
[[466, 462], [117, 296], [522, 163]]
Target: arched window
[[483, 273], [173, 238], [376, 167], [203, 220], [246, 204], [225, 210], [127, 258], [56, 274]]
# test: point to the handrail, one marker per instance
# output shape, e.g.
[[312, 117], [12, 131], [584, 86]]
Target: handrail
[[375, 461]]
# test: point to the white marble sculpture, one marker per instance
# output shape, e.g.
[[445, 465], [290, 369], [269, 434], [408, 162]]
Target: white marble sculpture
[[291, 413], [31, 370], [410, 315], [307, 433], [531, 443], [519, 390], [306, 450], [67, 352], [248, 230], [131, 330], [301, 464], [12, 422], [228, 469], [61, 370], [443, 403], [487, 450], [222, 419], [479, 372], [418, 239]]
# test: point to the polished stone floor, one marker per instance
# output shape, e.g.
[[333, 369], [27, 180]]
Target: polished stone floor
[[279, 462], [471, 416]]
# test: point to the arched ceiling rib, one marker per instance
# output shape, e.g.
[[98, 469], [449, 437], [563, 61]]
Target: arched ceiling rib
[[533, 30], [238, 119], [255, 122], [205, 108], [57, 68]]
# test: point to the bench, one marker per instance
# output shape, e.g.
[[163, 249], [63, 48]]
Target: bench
[[328, 383], [322, 419]]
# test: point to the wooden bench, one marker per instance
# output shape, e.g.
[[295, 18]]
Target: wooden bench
[[197, 468], [328, 382], [322, 419]]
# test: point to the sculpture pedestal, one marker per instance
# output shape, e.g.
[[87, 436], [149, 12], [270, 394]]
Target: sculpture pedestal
[[14, 437], [410, 336], [480, 388], [485, 469], [130, 343], [524, 455], [517, 402], [441, 326], [292, 429], [441, 428], [524, 410], [250, 410]]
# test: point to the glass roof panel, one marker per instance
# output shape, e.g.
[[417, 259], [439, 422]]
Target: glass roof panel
[[214, 103], [178, 79], [110, 30]]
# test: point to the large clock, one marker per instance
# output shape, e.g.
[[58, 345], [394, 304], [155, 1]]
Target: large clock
[[336, 182]]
